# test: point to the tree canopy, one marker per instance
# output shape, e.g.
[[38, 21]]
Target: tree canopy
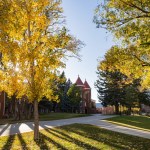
[[33, 44], [128, 20]]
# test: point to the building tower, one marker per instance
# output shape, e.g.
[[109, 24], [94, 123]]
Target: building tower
[[85, 95]]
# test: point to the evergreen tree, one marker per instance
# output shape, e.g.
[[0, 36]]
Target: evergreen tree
[[110, 88], [63, 86], [113, 90]]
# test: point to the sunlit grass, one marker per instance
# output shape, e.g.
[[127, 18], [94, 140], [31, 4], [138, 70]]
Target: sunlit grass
[[75, 137], [45, 117], [137, 122]]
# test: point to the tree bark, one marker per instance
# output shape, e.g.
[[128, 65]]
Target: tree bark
[[117, 108], [29, 115], [129, 110], [36, 120]]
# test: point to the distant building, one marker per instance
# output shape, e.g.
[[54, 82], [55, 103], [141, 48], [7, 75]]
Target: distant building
[[145, 108], [87, 104]]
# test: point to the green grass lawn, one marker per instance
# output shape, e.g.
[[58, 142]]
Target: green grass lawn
[[45, 117], [75, 137], [139, 122], [58, 116]]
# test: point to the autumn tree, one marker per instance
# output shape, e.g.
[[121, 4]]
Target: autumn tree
[[128, 20], [130, 61], [33, 43]]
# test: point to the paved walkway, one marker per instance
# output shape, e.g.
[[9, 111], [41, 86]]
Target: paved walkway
[[11, 129]]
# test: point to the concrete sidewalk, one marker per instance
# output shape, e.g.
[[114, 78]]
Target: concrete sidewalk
[[96, 120]]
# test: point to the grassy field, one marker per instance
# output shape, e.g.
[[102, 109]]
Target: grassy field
[[45, 117], [75, 137], [139, 122]]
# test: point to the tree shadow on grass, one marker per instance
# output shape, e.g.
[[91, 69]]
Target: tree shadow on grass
[[106, 141], [5, 128], [113, 139], [43, 145], [11, 138], [68, 138], [9, 143], [23, 143], [51, 131]]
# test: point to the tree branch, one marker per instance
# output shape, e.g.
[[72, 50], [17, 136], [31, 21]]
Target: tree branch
[[135, 6]]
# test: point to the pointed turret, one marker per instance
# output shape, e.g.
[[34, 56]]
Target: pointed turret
[[86, 85], [79, 82]]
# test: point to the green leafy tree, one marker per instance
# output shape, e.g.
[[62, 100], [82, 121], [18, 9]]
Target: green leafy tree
[[131, 97], [74, 96], [60, 91], [144, 98]]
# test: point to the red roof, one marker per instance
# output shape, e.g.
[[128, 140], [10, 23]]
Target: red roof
[[86, 85], [79, 82]]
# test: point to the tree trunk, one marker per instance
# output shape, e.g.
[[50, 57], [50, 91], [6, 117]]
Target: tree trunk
[[117, 108], [72, 109], [13, 108], [36, 120], [19, 111], [29, 113], [129, 110], [16, 110]]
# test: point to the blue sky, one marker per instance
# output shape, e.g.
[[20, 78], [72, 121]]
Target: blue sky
[[79, 20]]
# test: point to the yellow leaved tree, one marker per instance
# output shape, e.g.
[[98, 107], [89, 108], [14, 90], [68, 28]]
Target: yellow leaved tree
[[129, 22], [33, 44], [132, 62]]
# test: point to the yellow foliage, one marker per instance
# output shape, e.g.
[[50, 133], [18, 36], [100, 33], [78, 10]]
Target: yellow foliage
[[32, 40], [131, 61]]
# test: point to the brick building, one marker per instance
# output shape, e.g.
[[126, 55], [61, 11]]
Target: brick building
[[87, 104]]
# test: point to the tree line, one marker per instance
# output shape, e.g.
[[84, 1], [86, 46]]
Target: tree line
[[69, 100], [114, 89]]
